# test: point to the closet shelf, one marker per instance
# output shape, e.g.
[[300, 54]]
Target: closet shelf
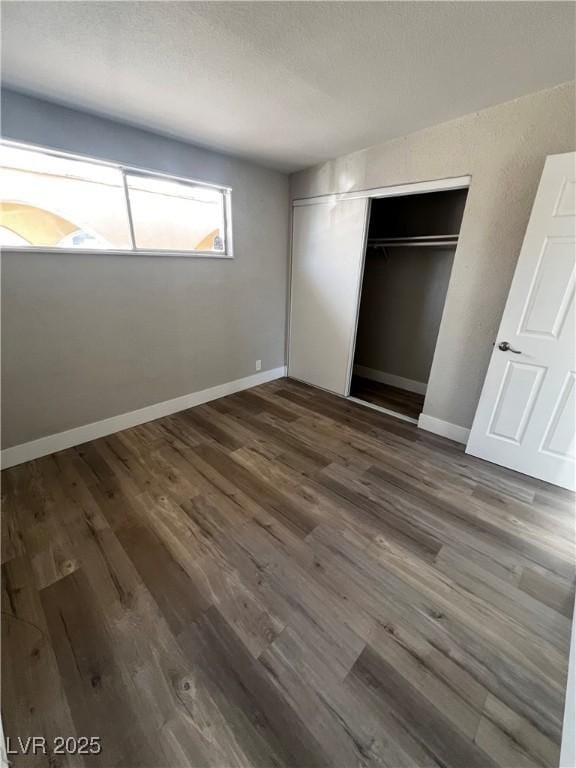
[[427, 241]]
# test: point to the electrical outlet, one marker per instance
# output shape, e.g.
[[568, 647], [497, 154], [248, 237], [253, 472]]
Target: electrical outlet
[[258, 365]]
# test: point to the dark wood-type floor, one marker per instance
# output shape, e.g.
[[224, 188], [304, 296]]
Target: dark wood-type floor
[[285, 578], [393, 398]]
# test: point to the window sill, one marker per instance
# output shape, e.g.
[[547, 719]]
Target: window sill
[[117, 252]]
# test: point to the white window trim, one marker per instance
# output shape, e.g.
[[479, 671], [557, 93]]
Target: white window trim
[[134, 250]]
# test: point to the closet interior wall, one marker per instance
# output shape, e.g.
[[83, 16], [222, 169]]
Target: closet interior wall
[[403, 295]]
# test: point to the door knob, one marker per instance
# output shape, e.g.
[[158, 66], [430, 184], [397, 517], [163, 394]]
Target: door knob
[[505, 347]]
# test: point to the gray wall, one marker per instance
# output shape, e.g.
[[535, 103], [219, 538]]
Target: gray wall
[[504, 149], [403, 296], [86, 337]]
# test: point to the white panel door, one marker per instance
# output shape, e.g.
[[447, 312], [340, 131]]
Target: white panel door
[[526, 414], [328, 241]]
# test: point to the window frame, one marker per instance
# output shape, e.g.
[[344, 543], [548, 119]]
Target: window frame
[[227, 253]]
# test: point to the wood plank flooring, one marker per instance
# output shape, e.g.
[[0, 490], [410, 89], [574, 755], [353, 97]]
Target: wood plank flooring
[[285, 578], [386, 396]]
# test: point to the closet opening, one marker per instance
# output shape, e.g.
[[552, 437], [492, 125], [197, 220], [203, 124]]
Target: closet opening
[[408, 260]]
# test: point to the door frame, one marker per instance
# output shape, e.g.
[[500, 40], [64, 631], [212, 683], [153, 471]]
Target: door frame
[[395, 190]]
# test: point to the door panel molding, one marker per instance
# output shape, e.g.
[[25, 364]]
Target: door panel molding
[[564, 414], [510, 388], [565, 282]]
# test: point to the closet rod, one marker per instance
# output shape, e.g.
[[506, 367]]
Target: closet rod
[[407, 243], [413, 241]]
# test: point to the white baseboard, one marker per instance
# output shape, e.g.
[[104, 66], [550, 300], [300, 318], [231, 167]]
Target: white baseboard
[[444, 428], [18, 454], [390, 378]]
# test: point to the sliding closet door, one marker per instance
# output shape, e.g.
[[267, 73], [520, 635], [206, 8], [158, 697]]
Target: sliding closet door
[[328, 241]]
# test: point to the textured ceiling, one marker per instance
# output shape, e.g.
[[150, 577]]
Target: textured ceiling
[[287, 83]]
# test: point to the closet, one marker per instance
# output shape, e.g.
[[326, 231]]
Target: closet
[[409, 253], [369, 277]]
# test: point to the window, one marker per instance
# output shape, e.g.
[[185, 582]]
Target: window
[[169, 215], [53, 201]]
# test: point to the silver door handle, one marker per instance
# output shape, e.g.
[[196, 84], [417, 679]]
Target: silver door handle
[[504, 346]]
